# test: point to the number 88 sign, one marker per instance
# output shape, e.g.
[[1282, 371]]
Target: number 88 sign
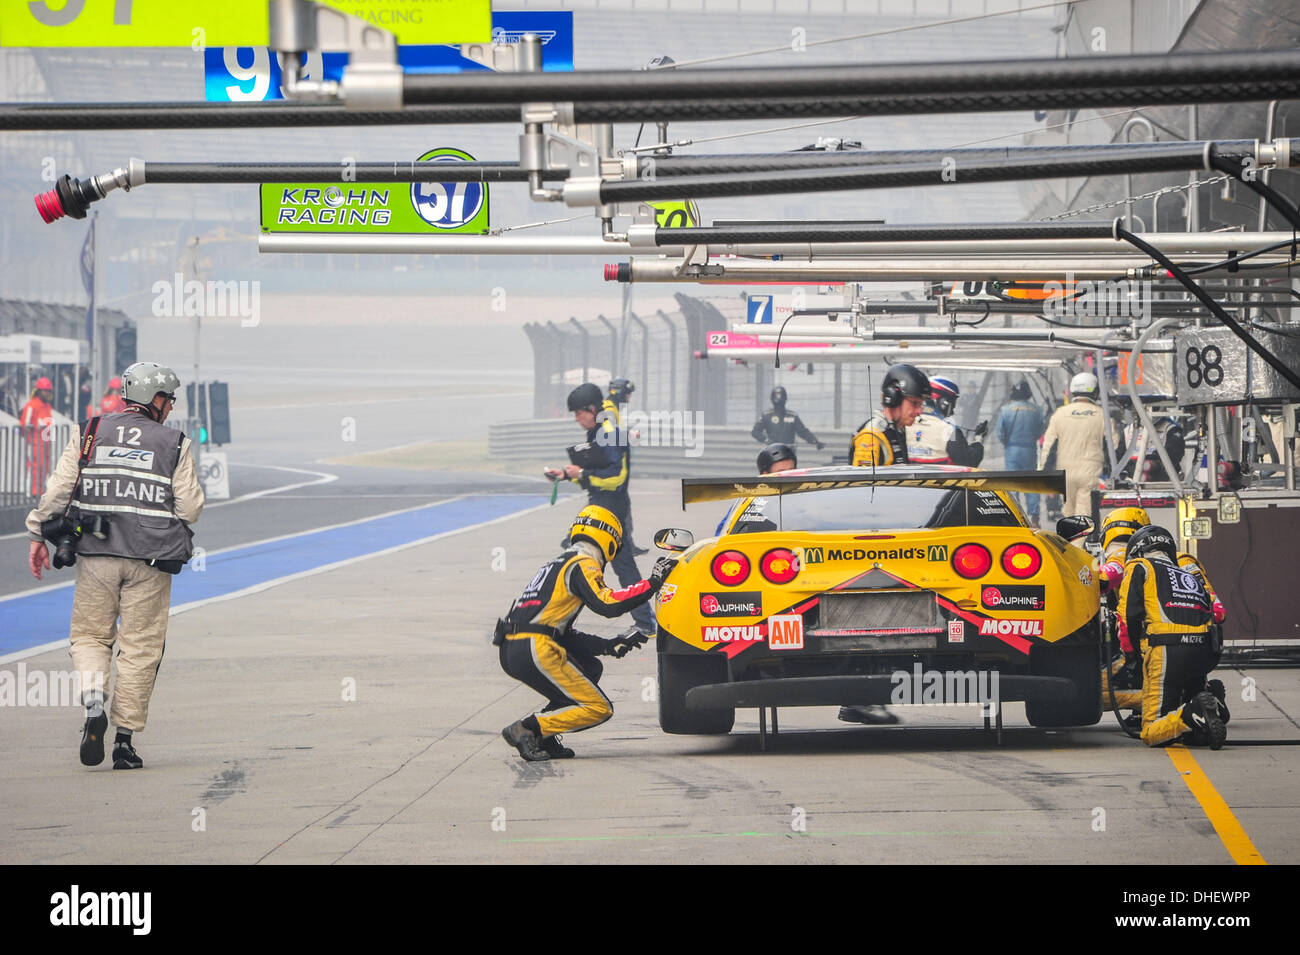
[[451, 206]]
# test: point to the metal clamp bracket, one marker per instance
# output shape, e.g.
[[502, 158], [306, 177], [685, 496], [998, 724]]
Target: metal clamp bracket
[[372, 79]]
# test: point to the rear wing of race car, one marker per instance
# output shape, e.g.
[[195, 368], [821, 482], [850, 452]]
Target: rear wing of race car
[[695, 490]]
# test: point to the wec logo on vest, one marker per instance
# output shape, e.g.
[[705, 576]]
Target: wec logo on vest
[[125, 457]]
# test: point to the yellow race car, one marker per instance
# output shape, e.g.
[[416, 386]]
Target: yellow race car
[[843, 586]]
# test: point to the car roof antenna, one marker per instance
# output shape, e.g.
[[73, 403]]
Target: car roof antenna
[[870, 391]]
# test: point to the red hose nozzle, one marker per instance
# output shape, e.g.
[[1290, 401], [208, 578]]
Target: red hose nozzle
[[69, 197], [618, 271], [49, 206]]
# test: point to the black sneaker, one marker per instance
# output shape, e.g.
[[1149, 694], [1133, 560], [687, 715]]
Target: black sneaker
[[874, 714], [554, 748], [1220, 694], [1134, 722], [92, 740], [526, 741], [124, 756], [1201, 715]]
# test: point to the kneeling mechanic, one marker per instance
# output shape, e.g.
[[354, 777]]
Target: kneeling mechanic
[[539, 647]]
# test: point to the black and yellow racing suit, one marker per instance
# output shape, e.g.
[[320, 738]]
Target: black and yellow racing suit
[[1167, 610], [606, 484], [1128, 697], [541, 648], [879, 442]]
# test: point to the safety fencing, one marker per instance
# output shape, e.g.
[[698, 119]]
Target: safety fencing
[[666, 356], [665, 446], [27, 459], [27, 456]]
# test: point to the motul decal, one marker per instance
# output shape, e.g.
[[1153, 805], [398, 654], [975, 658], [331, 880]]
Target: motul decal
[[754, 633], [1011, 628]]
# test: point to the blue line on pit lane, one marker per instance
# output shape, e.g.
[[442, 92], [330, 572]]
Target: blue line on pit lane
[[43, 617]]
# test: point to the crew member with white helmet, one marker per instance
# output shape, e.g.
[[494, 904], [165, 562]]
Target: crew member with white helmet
[[130, 484], [1077, 431]]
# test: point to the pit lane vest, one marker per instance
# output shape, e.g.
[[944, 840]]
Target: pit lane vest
[[128, 478]]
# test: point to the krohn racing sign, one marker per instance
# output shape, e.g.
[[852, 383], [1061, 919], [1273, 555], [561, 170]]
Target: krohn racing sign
[[347, 207]]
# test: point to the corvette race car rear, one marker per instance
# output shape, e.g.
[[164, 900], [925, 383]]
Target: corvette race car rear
[[839, 586]]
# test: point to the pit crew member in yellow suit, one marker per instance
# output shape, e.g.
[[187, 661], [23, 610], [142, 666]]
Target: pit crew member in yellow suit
[[1166, 610], [539, 647]]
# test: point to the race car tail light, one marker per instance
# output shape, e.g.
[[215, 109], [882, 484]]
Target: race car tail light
[[779, 566], [972, 560], [1021, 560], [731, 567]]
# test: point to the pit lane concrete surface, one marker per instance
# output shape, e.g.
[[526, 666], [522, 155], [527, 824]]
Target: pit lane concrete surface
[[350, 712]]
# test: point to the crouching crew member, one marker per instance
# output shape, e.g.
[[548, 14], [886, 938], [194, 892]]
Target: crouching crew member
[[1116, 530], [539, 647], [1166, 610]]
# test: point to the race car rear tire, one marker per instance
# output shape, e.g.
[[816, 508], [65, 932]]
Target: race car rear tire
[[1081, 665], [677, 675]]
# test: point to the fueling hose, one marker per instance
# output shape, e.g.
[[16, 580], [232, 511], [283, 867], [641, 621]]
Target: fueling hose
[[1108, 648]]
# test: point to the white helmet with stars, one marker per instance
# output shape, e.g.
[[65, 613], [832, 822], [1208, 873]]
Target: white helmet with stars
[[144, 379]]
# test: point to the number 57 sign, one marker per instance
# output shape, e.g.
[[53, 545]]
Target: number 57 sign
[[345, 206]]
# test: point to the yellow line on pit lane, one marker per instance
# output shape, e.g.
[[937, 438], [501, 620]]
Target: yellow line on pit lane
[[1231, 834]]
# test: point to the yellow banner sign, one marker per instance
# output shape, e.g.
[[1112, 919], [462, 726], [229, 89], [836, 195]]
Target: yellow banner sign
[[204, 23], [676, 214]]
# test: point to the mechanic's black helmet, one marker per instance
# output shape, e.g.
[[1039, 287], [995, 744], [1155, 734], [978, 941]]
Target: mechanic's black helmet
[[1020, 391], [619, 389], [773, 453], [586, 395], [778, 396], [1151, 539], [903, 381]]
